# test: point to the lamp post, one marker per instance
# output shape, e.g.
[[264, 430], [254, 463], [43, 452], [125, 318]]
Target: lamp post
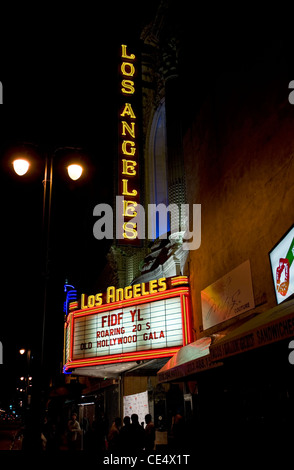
[[27, 377], [21, 166], [75, 170]]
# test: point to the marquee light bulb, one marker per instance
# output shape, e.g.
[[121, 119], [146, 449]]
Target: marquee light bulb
[[74, 171], [21, 166]]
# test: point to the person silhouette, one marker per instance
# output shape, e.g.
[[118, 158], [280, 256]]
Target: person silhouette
[[137, 434], [149, 433]]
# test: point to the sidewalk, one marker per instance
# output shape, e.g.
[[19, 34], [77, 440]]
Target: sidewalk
[[17, 441], [10, 435]]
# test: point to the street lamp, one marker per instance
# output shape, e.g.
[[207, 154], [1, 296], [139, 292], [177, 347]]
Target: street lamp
[[21, 166], [22, 352], [74, 171]]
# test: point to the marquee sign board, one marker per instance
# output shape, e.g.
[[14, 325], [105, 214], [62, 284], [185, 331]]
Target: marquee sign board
[[143, 327], [228, 297]]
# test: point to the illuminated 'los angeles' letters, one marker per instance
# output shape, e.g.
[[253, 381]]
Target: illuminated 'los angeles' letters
[[128, 156]]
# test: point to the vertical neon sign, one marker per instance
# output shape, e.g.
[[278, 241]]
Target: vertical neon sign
[[128, 147]]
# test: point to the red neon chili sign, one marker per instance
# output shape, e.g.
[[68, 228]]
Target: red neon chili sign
[[284, 266]]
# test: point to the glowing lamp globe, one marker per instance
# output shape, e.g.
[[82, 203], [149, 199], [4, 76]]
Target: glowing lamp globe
[[21, 166], [74, 171]]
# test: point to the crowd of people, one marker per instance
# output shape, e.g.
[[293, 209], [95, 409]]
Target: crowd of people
[[124, 438], [127, 437], [130, 437]]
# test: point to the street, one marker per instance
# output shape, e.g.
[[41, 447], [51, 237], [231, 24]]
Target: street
[[8, 433]]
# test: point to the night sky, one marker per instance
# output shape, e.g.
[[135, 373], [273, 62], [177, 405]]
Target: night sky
[[59, 71]]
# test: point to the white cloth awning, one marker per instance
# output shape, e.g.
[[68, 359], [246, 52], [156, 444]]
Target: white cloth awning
[[188, 360]]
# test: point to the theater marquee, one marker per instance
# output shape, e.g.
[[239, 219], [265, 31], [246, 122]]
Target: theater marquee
[[144, 326]]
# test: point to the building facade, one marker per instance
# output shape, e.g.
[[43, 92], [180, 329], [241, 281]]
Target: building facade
[[216, 131], [237, 150]]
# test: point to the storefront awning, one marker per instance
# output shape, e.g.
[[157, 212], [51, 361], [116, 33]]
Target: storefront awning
[[113, 371], [188, 360], [105, 371], [265, 328]]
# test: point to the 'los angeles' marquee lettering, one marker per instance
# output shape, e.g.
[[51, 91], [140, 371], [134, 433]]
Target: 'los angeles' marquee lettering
[[114, 294]]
